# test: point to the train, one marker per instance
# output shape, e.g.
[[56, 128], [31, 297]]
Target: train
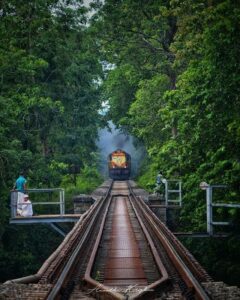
[[119, 165]]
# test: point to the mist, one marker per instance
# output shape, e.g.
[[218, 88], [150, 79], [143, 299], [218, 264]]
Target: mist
[[114, 139]]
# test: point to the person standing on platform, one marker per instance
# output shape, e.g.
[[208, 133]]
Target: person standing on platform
[[20, 187], [20, 184], [159, 183], [159, 178]]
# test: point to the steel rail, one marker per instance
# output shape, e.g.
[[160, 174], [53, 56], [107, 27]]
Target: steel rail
[[193, 265], [56, 289], [62, 278], [104, 289], [66, 248], [93, 283], [180, 265], [36, 277], [162, 269]]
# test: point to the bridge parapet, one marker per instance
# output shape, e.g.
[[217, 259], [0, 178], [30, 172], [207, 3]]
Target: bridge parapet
[[82, 203]]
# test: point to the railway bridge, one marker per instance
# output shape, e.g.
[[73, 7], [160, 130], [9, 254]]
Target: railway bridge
[[119, 249]]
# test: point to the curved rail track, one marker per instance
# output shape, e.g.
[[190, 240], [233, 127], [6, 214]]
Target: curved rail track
[[119, 249]]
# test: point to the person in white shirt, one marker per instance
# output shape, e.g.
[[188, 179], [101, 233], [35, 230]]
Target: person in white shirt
[[24, 208]]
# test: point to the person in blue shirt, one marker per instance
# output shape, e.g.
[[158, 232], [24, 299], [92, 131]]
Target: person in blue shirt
[[159, 178], [20, 184], [160, 181]]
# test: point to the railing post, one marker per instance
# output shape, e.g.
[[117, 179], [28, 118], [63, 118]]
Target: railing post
[[209, 210], [166, 191], [180, 192], [14, 198], [62, 202]]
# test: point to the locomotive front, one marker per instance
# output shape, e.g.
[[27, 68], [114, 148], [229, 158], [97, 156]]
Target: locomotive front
[[119, 165]]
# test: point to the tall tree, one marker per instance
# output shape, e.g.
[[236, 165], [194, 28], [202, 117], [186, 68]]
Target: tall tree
[[135, 39]]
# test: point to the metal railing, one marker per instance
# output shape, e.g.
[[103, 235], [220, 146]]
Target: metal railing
[[61, 199], [173, 187], [209, 202]]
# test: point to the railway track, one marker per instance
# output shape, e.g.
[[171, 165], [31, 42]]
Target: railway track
[[133, 256], [121, 250]]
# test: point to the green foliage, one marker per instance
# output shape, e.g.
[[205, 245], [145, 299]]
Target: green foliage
[[172, 80], [88, 180], [144, 116], [170, 74], [23, 250], [204, 107], [217, 256], [119, 88], [134, 39], [49, 93], [49, 82], [147, 176]]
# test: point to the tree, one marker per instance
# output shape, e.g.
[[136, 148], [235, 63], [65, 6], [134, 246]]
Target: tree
[[134, 38], [49, 96]]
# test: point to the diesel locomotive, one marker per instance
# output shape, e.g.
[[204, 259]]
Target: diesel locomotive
[[119, 165]]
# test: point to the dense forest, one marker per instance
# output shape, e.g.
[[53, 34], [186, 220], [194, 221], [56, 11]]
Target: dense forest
[[50, 73], [170, 73]]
